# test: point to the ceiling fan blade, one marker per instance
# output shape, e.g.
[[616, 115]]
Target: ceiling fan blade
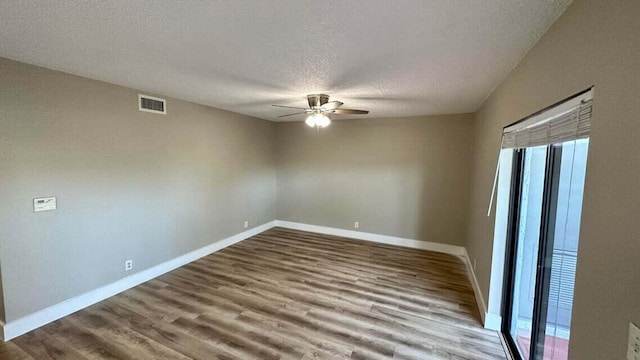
[[298, 113], [331, 105], [290, 107], [350, 111]]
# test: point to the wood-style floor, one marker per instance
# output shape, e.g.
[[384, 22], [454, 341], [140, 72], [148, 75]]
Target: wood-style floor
[[282, 294]]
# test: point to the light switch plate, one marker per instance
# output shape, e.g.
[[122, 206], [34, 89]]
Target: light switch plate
[[44, 204], [633, 353]]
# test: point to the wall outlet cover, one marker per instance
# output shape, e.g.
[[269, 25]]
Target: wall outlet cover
[[128, 265]]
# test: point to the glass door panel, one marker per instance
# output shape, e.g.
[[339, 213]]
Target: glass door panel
[[546, 206], [528, 235], [563, 258]]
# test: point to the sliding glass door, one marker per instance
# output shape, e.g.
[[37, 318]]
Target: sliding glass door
[[531, 171], [544, 224]]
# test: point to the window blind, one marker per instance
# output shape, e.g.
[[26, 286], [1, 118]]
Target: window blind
[[566, 122]]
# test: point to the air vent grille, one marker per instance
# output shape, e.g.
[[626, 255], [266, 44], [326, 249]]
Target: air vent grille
[[152, 104]]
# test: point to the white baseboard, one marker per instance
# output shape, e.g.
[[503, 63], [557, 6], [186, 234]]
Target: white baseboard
[[384, 239], [42, 317], [35, 320], [482, 306]]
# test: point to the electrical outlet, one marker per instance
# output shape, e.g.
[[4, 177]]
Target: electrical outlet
[[246, 224], [356, 224], [128, 265], [633, 353]]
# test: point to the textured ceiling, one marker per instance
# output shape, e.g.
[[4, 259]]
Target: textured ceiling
[[394, 58]]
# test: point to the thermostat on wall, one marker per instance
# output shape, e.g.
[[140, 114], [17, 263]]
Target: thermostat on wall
[[44, 204]]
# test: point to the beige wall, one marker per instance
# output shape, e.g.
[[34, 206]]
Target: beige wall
[[405, 177], [593, 43], [130, 185]]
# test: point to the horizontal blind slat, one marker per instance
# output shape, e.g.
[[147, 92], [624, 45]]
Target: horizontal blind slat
[[572, 125]]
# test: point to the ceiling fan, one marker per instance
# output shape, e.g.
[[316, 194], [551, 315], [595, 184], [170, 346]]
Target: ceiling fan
[[319, 109]]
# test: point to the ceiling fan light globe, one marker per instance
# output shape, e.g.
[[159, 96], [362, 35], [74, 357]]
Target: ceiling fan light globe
[[324, 121], [311, 121], [318, 120]]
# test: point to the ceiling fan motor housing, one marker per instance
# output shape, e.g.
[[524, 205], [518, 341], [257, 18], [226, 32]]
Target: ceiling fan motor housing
[[319, 104], [317, 100]]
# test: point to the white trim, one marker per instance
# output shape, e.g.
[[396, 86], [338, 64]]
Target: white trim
[[482, 306], [493, 321], [384, 239], [140, 96], [489, 320], [42, 317]]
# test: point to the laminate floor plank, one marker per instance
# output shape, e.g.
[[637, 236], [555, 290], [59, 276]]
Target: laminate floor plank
[[84, 341], [282, 294], [40, 346], [164, 333], [36, 347], [137, 345]]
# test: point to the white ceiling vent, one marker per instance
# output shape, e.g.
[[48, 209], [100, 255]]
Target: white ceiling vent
[[152, 104]]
